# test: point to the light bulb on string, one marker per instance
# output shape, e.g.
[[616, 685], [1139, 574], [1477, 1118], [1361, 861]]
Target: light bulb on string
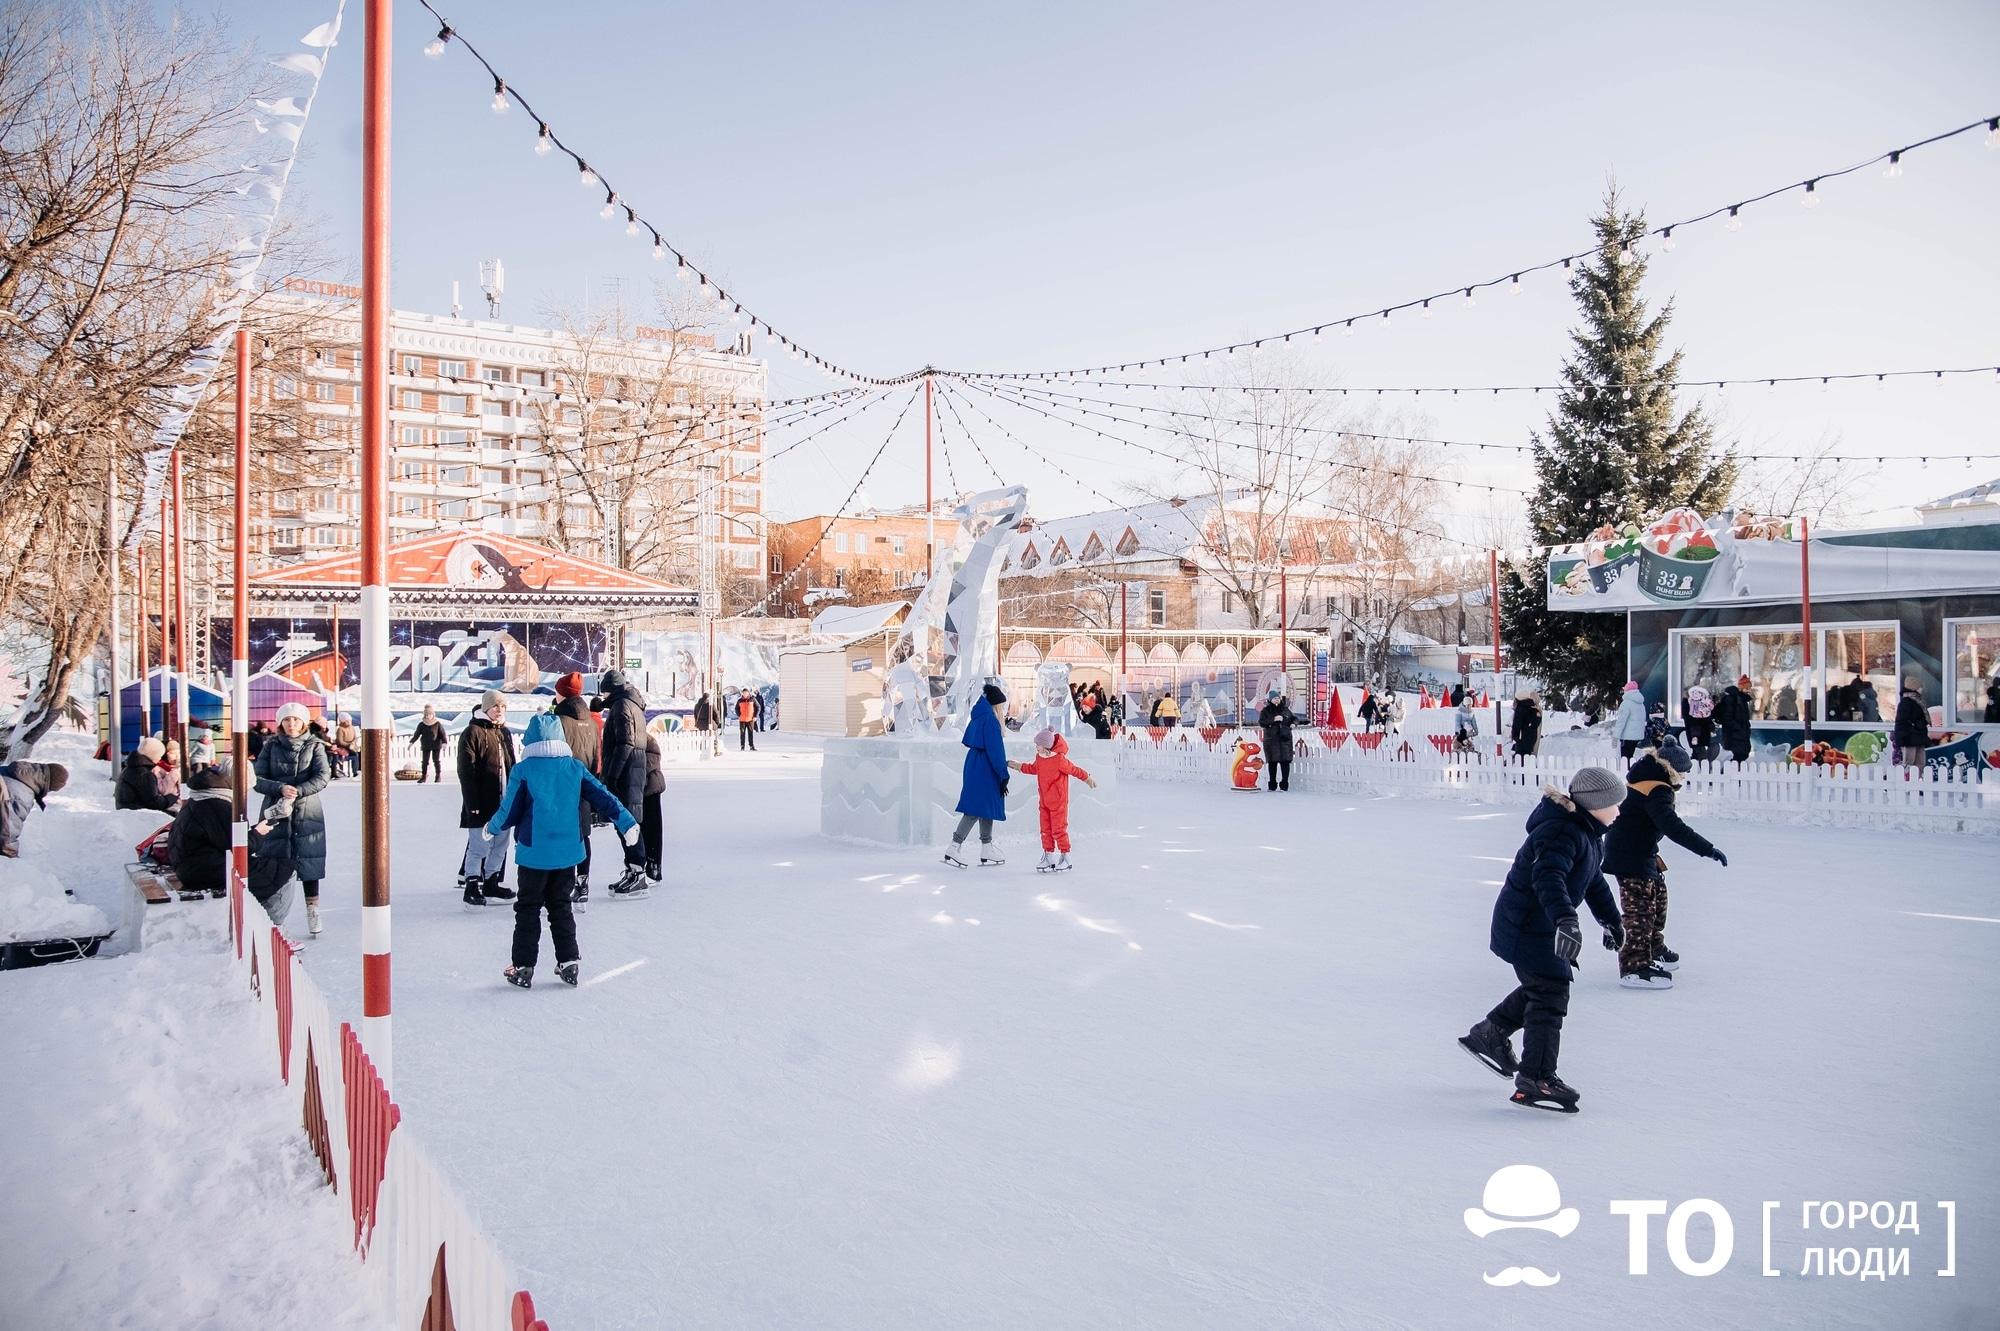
[[499, 97], [1812, 195], [585, 176], [631, 223], [1468, 298], [1349, 329], [1427, 309], [542, 143], [1993, 132], [1735, 222], [659, 247], [1667, 239], [1895, 167], [610, 207], [436, 48], [1515, 285]]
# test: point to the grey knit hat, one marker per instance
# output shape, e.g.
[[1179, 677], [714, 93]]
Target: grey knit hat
[[1596, 788], [491, 699]]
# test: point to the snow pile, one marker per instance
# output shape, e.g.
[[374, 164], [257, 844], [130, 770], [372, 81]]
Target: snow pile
[[155, 1171], [33, 906]]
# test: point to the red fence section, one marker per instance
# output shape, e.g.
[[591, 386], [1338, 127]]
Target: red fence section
[[281, 988], [371, 1117]]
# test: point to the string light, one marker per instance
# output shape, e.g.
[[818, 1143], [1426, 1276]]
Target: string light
[[1993, 132], [436, 48], [631, 223], [1667, 239], [659, 247], [1812, 195], [609, 208], [1895, 165], [585, 176], [499, 97], [542, 144], [1735, 222]]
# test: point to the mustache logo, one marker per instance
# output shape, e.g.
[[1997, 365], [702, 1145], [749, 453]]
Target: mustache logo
[[1522, 1275]]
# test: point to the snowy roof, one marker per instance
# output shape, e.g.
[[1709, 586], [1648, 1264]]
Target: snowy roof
[[1978, 503], [854, 620], [1166, 529]]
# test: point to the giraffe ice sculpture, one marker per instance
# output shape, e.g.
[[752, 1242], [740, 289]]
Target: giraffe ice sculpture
[[947, 650]]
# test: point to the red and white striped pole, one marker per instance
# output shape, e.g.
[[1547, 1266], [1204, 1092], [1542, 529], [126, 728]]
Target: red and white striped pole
[[239, 636], [167, 702], [377, 726]]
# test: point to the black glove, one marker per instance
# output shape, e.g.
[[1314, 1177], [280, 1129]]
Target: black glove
[[1569, 939], [1614, 935], [1003, 790], [1716, 854]]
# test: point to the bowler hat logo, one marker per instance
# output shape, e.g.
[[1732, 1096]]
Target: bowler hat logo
[[1522, 1197]]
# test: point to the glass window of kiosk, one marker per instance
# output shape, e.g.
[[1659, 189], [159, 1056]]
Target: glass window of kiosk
[[1974, 691], [1857, 664]]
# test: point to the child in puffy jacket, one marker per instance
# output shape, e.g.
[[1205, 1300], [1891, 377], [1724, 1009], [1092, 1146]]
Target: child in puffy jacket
[[1052, 771], [540, 805]]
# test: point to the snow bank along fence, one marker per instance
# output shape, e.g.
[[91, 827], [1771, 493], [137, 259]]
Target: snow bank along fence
[[426, 1261], [1875, 795]]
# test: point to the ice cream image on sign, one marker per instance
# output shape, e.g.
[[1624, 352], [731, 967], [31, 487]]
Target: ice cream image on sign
[[1522, 1197]]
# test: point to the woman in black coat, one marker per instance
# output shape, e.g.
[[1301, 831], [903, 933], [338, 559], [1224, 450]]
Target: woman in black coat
[[138, 783], [292, 766], [1527, 726], [485, 757], [1277, 718], [200, 840], [1912, 732]]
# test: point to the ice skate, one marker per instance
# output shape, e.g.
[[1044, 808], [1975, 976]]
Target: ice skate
[[579, 896], [474, 898], [1496, 1051], [312, 918], [1650, 978], [566, 972], [653, 870], [631, 885], [1667, 960], [1544, 1093], [521, 977], [951, 856], [496, 887], [1062, 864], [1047, 863], [989, 860]]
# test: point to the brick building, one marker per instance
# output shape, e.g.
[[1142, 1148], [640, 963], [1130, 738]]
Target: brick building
[[857, 560]]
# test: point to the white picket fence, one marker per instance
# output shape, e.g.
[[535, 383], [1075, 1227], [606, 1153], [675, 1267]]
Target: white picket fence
[[1876, 795], [416, 1219]]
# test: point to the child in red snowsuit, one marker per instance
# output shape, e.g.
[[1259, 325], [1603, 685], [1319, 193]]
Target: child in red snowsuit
[[1052, 770]]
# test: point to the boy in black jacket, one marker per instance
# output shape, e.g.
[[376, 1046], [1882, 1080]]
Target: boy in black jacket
[[1559, 867], [1632, 856]]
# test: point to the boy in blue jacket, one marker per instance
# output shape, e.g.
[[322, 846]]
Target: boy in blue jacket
[[1558, 868], [540, 806]]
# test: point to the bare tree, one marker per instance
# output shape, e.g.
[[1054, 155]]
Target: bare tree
[[1818, 483], [116, 130], [1260, 451]]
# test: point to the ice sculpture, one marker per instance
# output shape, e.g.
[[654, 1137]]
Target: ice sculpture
[[1055, 708], [949, 644]]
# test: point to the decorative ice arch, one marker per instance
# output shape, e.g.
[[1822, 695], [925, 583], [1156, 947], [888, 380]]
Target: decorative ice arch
[[949, 645]]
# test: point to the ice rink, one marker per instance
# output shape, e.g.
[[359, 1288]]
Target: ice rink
[[1207, 1079]]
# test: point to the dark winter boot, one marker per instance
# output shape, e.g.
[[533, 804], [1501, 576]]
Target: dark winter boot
[[522, 977], [653, 870], [1544, 1093], [496, 887], [473, 896], [566, 972], [1485, 1043]]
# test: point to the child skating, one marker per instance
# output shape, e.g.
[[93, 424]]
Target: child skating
[[1558, 868], [1632, 856], [540, 805], [1052, 771]]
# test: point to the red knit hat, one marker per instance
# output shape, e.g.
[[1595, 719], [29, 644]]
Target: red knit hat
[[570, 685]]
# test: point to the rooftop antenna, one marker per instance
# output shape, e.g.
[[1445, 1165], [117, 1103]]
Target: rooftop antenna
[[454, 298], [492, 280]]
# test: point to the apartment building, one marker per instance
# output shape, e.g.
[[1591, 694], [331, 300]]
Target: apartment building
[[643, 450], [860, 559]]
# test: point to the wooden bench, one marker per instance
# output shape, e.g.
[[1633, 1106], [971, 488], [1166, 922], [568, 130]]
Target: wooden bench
[[159, 886]]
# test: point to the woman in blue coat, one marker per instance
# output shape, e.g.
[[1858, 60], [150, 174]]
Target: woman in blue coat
[[1558, 868], [982, 794], [540, 805]]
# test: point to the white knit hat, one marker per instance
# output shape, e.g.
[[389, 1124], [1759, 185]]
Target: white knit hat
[[293, 710]]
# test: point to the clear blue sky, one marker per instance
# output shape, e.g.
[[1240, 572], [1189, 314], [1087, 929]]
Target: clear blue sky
[[1038, 185]]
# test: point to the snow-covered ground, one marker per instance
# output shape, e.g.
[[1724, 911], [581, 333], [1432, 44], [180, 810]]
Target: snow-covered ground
[[1206, 1080], [152, 1170]]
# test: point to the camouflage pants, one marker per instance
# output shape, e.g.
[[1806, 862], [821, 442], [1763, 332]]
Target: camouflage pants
[[1643, 901]]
